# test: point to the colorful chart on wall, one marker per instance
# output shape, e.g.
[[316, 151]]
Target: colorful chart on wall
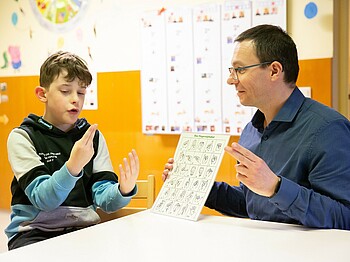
[[185, 56], [59, 15], [196, 162]]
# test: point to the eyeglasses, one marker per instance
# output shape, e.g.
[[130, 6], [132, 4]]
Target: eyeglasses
[[234, 71]]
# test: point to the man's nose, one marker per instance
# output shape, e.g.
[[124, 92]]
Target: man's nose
[[231, 81]]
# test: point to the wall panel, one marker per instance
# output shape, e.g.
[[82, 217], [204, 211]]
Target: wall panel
[[119, 119]]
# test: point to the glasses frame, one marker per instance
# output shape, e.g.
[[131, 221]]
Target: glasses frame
[[234, 71]]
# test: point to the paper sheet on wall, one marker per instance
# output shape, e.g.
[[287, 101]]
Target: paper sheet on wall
[[197, 160]]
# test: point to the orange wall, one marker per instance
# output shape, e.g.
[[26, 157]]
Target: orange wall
[[119, 119]]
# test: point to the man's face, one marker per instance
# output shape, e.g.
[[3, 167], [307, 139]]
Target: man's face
[[252, 84], [64, 103]]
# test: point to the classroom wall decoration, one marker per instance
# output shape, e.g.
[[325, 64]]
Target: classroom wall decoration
[[106, 33], [59, 15], [185, 56]]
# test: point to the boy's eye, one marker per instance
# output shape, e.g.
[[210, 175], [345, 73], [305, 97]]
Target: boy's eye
[[82, 92]]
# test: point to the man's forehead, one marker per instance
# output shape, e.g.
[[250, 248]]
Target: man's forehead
[[243, 49], [244, 45]]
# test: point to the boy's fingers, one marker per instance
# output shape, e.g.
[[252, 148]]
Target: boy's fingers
[[136, 157], [89, 134]]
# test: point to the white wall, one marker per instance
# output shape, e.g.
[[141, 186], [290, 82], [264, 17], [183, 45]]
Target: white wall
[[110, 29], [313, 37]]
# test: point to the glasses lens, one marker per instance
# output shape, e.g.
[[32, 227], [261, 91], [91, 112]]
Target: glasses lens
[[233, 73]]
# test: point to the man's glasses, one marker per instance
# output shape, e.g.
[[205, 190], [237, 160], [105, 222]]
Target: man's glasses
[[234, 71]]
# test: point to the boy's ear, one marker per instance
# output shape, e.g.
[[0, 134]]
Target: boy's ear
[[40, 93]]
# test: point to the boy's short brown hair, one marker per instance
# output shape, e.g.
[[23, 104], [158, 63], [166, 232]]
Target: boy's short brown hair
[[61, 62]]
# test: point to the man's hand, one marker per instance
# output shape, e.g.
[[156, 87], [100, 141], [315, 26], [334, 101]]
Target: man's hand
[[129, 174], [252, 171], [82, 152], [168, 167]]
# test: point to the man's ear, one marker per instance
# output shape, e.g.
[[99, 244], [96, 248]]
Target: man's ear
[[40, 93], [276, 69]]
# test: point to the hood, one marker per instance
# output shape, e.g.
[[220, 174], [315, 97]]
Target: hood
[[38, 123]]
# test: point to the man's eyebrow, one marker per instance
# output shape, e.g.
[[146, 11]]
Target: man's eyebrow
[[237, 62]]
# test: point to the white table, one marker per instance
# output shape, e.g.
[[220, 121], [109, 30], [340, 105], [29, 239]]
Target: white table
[[146, 236]]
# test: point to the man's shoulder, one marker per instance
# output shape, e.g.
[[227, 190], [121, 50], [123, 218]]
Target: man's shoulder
[[323, 112]]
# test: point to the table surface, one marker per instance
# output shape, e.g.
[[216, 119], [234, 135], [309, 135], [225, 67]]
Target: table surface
[[146, 236]]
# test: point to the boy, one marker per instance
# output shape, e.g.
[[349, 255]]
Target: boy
[[62, 168]]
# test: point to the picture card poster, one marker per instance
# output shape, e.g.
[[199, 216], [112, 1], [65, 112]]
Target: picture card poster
[[186, 52], [196, 162]]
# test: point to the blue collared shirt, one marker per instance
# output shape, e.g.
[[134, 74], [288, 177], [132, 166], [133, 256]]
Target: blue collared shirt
[[308, 145]]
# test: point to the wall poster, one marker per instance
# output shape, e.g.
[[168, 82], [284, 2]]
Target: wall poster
[[186, 53]]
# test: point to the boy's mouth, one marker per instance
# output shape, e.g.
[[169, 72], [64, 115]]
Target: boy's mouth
[[74, 110]]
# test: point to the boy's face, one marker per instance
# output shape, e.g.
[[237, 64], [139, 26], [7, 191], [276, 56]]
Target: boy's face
[[64, 102]]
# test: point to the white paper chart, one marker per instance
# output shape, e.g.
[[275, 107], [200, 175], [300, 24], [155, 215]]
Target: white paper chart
[[186, 54], [197, 160]]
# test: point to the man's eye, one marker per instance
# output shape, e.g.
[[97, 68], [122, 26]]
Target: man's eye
[[240, 70]]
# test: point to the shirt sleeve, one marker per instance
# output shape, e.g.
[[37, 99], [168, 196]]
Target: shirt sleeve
[[228, 200], [21, 153], [102, 161], [107, 196], [45, 192], [106, 193], [49, 192], [326, 204]]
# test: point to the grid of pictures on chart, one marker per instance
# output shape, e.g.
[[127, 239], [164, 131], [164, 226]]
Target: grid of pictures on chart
[[196, 163]]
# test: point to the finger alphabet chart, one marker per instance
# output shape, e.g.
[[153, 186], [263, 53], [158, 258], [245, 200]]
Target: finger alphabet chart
[[196, 163]]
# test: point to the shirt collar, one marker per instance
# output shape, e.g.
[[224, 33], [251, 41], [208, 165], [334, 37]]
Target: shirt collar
[[286, 113]]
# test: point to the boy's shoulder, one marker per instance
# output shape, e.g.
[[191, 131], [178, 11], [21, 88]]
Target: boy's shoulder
[[34, 123], [39, 130]]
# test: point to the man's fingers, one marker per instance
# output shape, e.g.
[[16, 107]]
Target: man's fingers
[[242, 154]]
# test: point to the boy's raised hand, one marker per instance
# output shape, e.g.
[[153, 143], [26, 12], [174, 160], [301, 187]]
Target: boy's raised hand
[[82, 151], [129, 174]]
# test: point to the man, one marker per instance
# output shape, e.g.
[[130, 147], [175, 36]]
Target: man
[[294, 156]]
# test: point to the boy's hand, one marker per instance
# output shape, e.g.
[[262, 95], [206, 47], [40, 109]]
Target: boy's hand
[[82, 152], [129, 174]]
